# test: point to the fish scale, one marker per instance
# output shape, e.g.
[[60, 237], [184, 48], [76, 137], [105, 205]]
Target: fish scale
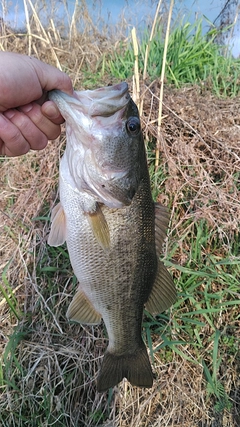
[[113, 229]]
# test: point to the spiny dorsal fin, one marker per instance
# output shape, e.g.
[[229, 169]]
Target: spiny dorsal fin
[[161, 224], [81, 310], [57, 235], [99, 227], [163, 293]]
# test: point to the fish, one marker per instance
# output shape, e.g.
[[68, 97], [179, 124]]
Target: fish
[[113, 229]]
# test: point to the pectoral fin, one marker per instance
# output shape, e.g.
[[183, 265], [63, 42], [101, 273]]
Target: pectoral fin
[[99, 227], [57, 235], [161, 224], [163, 293], [81, 310]]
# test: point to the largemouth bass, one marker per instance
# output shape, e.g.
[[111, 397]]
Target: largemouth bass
[[113, 230]]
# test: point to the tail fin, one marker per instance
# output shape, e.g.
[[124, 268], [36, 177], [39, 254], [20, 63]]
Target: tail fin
[[134, 366]]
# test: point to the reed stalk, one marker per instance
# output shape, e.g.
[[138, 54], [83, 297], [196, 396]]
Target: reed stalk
[[136, 83], [162, 84]]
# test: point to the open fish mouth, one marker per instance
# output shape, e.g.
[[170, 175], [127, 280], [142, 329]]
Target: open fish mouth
[[101, 102], [101, 155], [105, 101]]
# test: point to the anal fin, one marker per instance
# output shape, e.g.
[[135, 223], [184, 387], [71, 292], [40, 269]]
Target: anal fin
[[163, 293], [82, 311]]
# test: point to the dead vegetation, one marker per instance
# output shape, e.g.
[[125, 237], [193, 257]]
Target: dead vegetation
[[200, 153], [49, 365]]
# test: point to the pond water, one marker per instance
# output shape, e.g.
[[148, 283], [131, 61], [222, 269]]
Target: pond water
[[135, 12]]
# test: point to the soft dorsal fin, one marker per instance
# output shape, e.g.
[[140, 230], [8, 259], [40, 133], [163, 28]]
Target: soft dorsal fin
[[99, 227], [82, 311], [57, 235], [163, 293], [161, 225]]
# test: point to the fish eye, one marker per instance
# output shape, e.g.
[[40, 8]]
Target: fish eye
[[133, 126]]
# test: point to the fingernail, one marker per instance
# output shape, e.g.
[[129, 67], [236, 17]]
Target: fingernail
[[51, 111], [26, 108], [3, 119], [9, 113]]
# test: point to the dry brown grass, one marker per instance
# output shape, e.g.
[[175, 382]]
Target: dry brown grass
[[54, 384], [200, 152]]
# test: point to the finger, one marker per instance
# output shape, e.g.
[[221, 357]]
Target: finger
[[29, 79], [12, 142], [50, 77], [50, 110], [34, 112], [30, 132]]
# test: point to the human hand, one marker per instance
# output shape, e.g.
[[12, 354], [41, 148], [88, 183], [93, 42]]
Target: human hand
[[27, 119]]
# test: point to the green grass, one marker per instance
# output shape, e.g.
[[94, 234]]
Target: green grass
[[192, 58], [205, 315], [7, 292]]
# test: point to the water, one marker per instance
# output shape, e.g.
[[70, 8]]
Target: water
[[135, 12]]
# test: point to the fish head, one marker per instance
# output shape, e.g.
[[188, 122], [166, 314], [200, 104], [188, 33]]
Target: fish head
[[105, 147]]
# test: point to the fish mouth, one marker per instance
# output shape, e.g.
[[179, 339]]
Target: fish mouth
[[103, 102], [92, 115]]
